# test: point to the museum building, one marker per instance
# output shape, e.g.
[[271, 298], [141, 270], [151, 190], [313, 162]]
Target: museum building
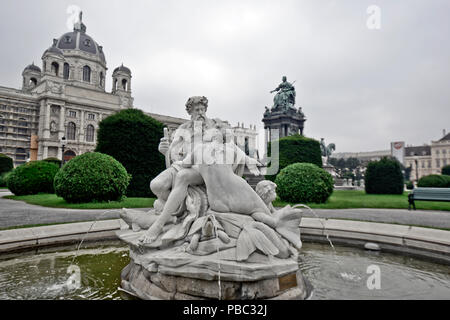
[[66, 99]]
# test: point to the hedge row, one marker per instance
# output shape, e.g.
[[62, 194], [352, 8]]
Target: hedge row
[[446, 170], [296, 149], [434, 181], [6, 164], [132, 138]]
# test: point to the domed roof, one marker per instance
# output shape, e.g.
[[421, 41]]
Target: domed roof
[[79, 40], [53, 49], [32, 67], [123, 69]]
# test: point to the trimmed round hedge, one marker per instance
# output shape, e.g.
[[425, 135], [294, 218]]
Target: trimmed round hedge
[[409, 185], [55, 161], [304, 183], [3, 178], [446, 170], [384, 177], [32, 178], [92, 176], [434, 181], [296, 149], [6, 163]]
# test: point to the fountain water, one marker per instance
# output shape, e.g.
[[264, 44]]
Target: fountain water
[[89, 230]]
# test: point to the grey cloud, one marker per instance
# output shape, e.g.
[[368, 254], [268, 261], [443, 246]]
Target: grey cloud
[[359, 88]]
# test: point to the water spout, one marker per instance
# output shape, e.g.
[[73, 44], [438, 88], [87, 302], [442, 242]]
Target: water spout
[[90, 228], [323, 225]]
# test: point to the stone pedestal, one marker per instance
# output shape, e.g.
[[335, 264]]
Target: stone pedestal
[[173, 273], [330, 169]]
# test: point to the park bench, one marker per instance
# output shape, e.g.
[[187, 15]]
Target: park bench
[[428, 194]]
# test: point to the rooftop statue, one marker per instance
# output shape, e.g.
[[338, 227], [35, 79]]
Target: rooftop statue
[[285, 97], [207, 220]]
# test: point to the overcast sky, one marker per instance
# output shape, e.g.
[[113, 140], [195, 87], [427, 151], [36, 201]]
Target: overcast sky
[[360, 88]]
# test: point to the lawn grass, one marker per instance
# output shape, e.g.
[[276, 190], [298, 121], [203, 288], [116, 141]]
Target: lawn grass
[[345, 199], [51, 200], [340, 199]]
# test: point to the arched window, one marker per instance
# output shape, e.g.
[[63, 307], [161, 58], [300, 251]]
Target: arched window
[[71, 128], [86, 74], [66, 71], [124, 84], [33, 82], [55, 68], [102, 78], [90, 133]]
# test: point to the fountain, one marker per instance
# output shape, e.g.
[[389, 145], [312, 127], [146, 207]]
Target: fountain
[[210, 234]]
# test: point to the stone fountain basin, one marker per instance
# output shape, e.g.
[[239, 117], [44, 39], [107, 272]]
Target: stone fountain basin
[[174, 274]]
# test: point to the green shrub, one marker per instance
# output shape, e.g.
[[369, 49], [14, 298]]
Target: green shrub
[[304, 183], [6, 163], [446, 170], [3, 177], [434, 181], [91, 177], [384, 177], [409, 185], [132, 138], [55, 161], [296, 149], [32, 178]]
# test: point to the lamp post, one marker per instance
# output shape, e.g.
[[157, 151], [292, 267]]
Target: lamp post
[[63, 145], [417, 170]]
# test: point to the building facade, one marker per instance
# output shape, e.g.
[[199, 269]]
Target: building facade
[[440, 153], [419, 160], [364, 157], [428, 159], [423, 160], [60, 105]]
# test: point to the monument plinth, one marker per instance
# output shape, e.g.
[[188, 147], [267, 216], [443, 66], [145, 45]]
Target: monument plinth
[[283, 119], [210, 235]]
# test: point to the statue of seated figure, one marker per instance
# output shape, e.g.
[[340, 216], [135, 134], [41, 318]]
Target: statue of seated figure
[[207, 201]]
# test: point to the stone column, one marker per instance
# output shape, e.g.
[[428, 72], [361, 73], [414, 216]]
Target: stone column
[[266, 137], [62, 112], [81, 134], [61, 131], [47, 122]]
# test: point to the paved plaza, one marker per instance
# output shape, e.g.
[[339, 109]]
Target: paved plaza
[[18, 213]]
